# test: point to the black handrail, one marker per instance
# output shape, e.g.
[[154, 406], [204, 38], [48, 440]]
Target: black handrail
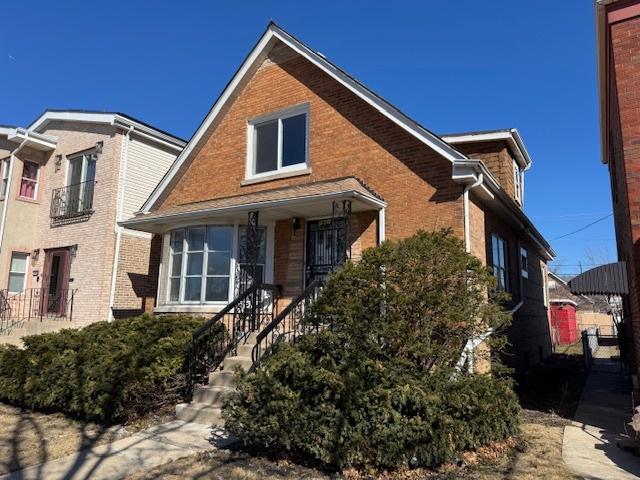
[[243, 315], [290, 319]]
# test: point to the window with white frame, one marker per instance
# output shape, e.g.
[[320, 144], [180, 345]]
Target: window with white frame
[[279, 142], [5, 177], [18, 272], [524, 262], [201, 259], [499, 259], [29, 180], [517, 181]]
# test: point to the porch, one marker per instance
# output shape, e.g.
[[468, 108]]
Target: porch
[[212, 251]]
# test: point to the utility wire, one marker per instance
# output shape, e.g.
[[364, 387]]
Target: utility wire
[[583, 228]]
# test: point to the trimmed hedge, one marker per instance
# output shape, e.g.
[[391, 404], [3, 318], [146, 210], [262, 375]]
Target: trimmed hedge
[[107, 372], [381, 388], [350, 412]]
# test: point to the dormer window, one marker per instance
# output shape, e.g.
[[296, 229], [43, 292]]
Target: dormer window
[[278, 142]]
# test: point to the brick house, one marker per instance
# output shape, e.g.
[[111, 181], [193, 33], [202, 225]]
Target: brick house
[[67, 180], [618, 44], [292, 140]]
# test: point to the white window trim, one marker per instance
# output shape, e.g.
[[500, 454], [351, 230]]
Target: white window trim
[[251, 142], [5, 178], [83, 169], [166, 261], [26, 270], [524, 254], [517, 182], [37, 180]]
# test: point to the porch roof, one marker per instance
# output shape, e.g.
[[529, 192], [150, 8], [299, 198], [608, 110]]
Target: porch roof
[[306, 200]]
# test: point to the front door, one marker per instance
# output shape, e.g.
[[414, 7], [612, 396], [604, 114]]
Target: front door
[[56, 282], [325, 248]]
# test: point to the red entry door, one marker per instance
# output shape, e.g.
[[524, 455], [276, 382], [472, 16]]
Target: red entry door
[[55, 282]]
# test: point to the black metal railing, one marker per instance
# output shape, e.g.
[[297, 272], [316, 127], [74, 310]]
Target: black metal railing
[[72, 200], [35, 304], [247, 313], [289, 324]]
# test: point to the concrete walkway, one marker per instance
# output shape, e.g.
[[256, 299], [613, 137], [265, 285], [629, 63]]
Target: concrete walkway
[[590, 444], [144, 450]]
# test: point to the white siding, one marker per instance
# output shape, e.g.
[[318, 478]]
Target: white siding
[[147, 162]]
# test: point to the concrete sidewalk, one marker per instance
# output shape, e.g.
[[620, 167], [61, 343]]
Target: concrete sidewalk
[[590, 444], [144, 450]]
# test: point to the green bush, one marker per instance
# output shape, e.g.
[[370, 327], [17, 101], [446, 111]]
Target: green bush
[[380, 389], [108, 371]]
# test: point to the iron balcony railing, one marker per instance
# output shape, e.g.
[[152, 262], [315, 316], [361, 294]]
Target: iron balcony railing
[[35, 304], [73, 200]]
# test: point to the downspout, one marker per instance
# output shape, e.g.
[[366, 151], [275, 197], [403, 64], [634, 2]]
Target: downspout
[[465, 201], [5, 206], [521, 282], [118, 228], [381, 225]]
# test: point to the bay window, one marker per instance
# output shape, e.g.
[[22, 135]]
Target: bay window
[[201, 260]]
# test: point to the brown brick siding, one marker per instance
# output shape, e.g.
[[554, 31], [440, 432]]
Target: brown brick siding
[[498, 159], [624, 157], [529, 335], [347, 137]]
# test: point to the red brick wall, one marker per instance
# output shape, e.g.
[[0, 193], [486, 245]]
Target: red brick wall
[[347, 137], [624, 154]]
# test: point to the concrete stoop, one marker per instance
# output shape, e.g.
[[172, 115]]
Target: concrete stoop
[[13, 334], [206, 405]]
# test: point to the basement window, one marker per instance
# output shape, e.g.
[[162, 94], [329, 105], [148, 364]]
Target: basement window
[[278, 142]]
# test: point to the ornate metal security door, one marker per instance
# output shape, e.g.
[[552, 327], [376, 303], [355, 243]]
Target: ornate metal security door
[[328, 246]]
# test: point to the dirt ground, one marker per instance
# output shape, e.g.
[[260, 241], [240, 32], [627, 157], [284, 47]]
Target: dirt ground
[[536, 454], [30, 438]]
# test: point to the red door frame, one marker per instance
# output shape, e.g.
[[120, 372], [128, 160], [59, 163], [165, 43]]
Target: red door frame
[[63, 277]]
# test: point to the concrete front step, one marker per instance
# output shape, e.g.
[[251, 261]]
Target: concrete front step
[[230, 363], [199, 413], [222, 378], [210, 395], [245, 350]]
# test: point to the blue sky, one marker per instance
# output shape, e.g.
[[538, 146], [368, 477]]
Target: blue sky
[[453, 66]]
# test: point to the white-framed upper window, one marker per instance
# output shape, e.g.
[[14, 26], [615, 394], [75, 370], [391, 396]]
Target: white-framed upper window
[[524, 262], [29, 180], [202, 260], [6, 164], [517, 181], [279, 142], [18, 272], [499, 260]]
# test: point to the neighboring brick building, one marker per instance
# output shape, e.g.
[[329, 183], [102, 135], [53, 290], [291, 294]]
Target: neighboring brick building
[[291, 136], [67, 180], [618, 43]]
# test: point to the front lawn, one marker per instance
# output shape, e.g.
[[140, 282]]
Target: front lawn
[[536, 453]]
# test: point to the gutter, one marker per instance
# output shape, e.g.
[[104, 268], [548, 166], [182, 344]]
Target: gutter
[[118, 229], [5, 205]]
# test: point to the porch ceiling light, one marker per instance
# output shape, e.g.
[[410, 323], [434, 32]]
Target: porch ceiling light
[[295, 222]]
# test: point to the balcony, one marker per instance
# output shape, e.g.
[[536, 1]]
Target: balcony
[[72, 202]]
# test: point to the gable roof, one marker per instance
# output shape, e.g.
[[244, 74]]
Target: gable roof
[[110, 118], [272, 34]]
